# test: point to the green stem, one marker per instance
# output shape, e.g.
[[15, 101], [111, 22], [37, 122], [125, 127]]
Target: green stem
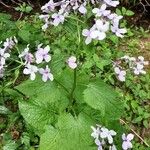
[[75, 19], [74, 86], [3, 92], [13, 88]]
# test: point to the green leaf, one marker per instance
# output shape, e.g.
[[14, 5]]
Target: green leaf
[[46, 101], [28, 9], [69, 134], [100, 96], [4, 17], [123, 10], [129, 13], [10, 145], [25, 35], [4, 110], [57, 63], [118, 12]]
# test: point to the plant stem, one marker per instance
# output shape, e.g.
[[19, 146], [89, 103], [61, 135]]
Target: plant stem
[[74, 86], [19, 92], [75, 19]]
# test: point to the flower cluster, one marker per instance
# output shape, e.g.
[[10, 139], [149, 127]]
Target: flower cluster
[[104, 19], [41, 55], [136, 65], [5, 52], [104, 138], [72, 62]]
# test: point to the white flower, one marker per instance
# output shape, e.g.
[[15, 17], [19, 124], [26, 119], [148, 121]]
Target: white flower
[[127, 141], [115, 17], [141, 60], [30, 70], [99, 35], [46, 75], [42, 54], [96, 132], [46, 20], [105, 133], [1, 71], [72, 62], [111, 3], [101, 11], [101, 25]]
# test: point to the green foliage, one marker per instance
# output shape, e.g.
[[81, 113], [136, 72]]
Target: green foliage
[[124, 12], [44, 104], [24, 8], [61, 113], [69, 134], [100, 96]]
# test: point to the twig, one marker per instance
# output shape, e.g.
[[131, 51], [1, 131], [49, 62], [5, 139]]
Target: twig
[[14, 2], [135, 133], [4, 4], [144, 7], [148, 4]]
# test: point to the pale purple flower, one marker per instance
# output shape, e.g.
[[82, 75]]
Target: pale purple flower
[[101, 11], [42, 54], [3, 56], [115, 17], [119, 32], [82, 9], [57, 19], [121, 73], [127, 141], [30, 70], [99, 144], [111, 3], [46, 74], [10, 43], [48, 7], [72, 62], [105, 133], [87, 33], [28, 57], [139, 69]]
